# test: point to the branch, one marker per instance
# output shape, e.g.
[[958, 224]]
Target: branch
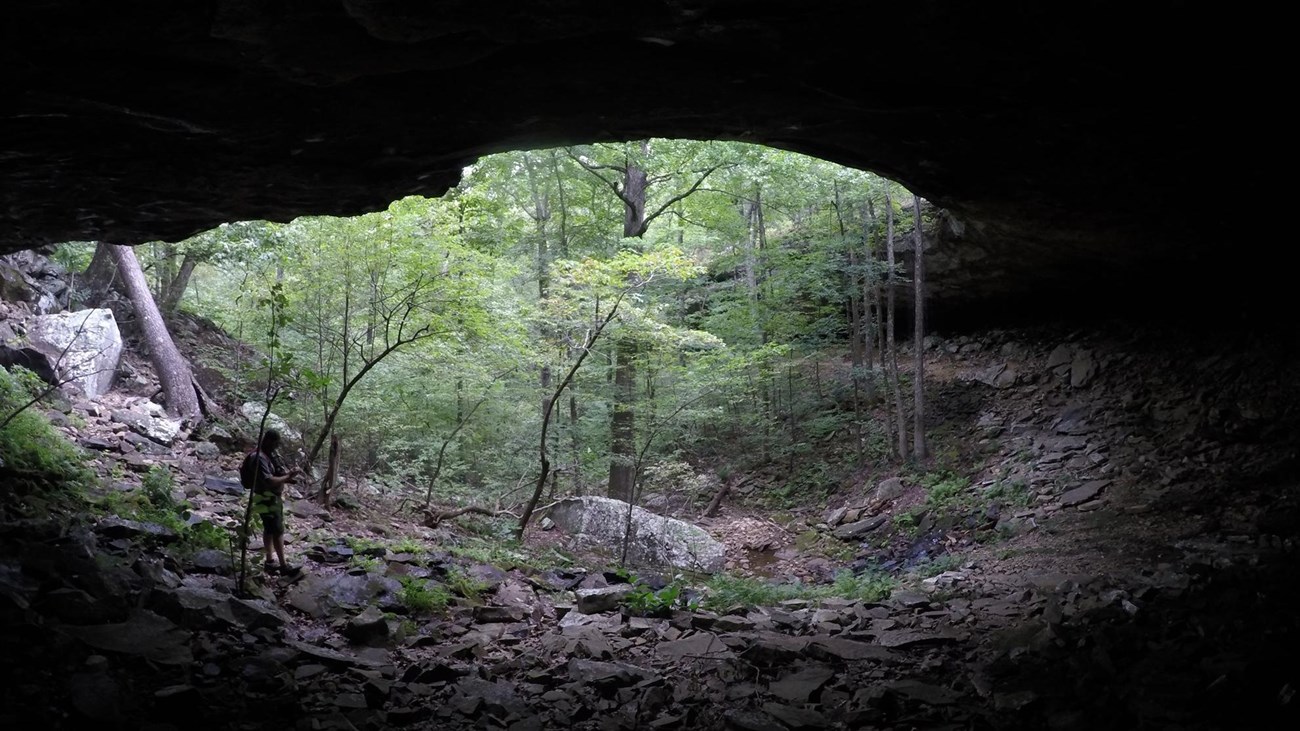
[[432, 519], [674, 199], [593, 170]]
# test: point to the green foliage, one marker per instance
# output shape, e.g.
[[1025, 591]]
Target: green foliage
[[32, 452], [731, 312], [938, 565], [1010, 492], [643, 601], [407, 545], [421, 596], [157, 488], [369, 564], [726, 591], [945, 491], [464, 585], [503, 553]]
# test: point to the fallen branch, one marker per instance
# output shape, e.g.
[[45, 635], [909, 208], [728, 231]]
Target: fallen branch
[[432, 519], [716, 502]]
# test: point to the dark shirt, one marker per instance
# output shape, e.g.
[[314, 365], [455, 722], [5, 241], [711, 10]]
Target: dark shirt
[[256, 470]]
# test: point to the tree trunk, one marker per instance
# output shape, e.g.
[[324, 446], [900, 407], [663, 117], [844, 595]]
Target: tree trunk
[[331, 472], [918, 338], [635, 182], [173, 370], [892, 370], [622, 423], [176, 287], [541, 215]]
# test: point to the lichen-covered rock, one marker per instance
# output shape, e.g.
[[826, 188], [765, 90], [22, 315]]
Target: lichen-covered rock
[[86, 346], [253, 411], [654, 540]]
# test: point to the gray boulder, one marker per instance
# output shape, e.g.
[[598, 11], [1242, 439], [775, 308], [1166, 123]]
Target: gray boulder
[[149, 419], [85, 345], [253, 411], [654, 540]]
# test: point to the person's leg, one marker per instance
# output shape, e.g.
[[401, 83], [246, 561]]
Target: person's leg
[[268, 542], [279, 549]]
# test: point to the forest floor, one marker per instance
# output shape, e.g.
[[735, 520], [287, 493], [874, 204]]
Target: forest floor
[[1104, 538]]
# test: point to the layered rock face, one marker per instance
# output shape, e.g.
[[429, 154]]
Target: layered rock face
[[1068, 153]]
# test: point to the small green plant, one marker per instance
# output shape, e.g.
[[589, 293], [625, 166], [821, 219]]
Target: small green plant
[[419, 595], [644, 601], [1011, 492], [407, 545], [34, 454], [369, 564], [464, 585], [938, 565], [946, 491], [728, 591], [157, 488]]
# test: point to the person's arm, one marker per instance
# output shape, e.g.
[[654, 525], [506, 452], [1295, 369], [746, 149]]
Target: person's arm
[[272, 480]]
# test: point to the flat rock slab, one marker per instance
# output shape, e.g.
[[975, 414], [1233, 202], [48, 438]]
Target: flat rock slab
[[911, 638], [221, 485], [333, 657], [1085, 492], [800, 686], [144, 634], [796, 718], [700, 644]]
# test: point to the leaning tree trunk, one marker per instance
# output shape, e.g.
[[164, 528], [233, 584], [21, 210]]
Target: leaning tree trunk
[[918, 339], [173, 371]]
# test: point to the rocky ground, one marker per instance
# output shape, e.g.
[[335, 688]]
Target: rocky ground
[[1122, 557]]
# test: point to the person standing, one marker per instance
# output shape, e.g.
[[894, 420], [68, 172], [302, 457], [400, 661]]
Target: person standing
[[264, 474]]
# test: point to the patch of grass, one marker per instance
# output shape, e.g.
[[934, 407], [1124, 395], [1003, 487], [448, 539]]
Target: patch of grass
[[407, 545], [33, 454], [505, 555], [946, 491], [727, 591], [157, 488], [906, 522], [1010, 492], [419, 595], [464, 585], [369, 564], [362, 544], [938, 565]]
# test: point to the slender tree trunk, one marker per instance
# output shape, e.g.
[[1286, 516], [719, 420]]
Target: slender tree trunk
[[623, 421], [919, 450], [531, 505], [176, 289], [173, 370], [892, 370], [870, 315], [564, 210], [331, 472]]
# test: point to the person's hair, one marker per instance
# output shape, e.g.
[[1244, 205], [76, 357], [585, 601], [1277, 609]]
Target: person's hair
[[270, 439]]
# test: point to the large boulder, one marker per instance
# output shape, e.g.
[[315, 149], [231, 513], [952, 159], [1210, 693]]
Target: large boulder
[[253, 411], [599, 522], [86, 346]]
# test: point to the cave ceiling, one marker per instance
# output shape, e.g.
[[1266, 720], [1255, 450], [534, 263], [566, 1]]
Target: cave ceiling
[[1066, 140]]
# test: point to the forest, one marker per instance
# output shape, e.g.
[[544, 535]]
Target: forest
[[671, 314]]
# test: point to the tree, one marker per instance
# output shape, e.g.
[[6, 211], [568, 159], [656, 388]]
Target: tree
[[173, 370], [891, 285], [918, 337]]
